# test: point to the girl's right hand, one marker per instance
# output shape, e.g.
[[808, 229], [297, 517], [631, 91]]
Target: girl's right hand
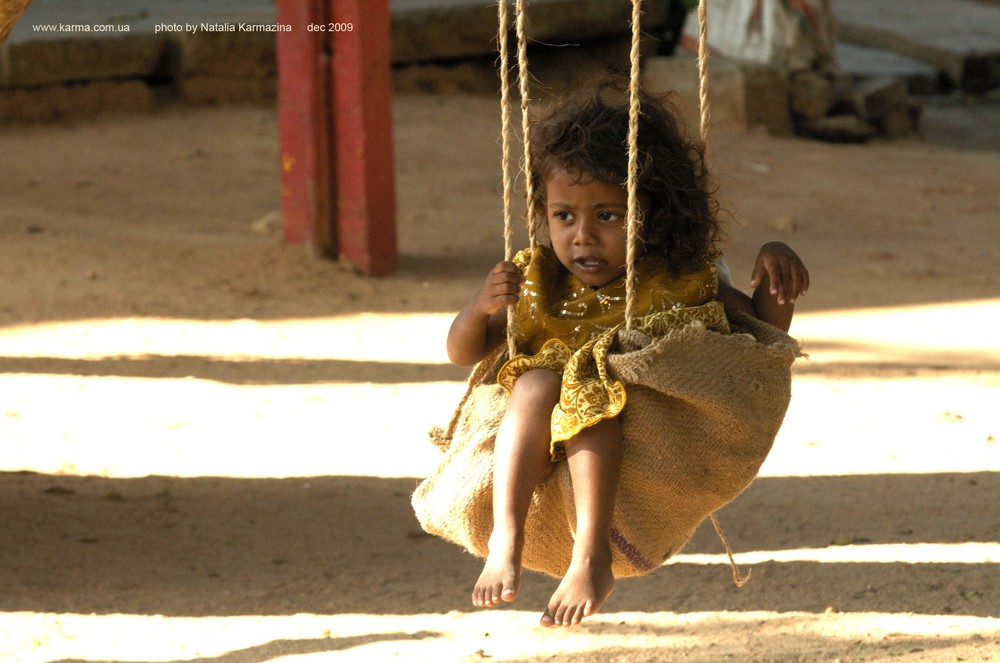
[[502, 288]]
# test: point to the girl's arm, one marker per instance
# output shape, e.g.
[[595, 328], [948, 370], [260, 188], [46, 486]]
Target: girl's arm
[[481, 325], [735, 300], [763, 306], [779, 277], [771, 307]]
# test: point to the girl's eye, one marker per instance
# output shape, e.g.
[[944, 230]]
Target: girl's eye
[[562, 216], [609, 216]]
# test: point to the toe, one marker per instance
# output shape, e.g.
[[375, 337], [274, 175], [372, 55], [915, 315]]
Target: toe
[[569, 617], [507, 591], [483, 597]]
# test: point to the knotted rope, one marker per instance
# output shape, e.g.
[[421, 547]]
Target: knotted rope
[[506, 130], [738, 578], [508, 178], [522, 70], [633, 222], [703, 70]]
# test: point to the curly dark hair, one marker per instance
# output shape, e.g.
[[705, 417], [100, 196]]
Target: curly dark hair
[[586, 134]]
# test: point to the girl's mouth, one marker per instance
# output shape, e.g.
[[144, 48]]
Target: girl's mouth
[[590, 263]]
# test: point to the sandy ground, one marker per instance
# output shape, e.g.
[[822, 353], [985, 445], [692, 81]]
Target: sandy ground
[[209, 438]]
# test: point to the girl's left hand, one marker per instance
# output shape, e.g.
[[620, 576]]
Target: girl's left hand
[[787, 274]]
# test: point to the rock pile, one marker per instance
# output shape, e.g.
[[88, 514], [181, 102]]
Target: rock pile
[[836, 107]]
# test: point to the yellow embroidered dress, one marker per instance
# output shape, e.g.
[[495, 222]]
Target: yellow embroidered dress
[[565, 325]]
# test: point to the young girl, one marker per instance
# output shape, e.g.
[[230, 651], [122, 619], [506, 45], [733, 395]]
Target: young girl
[[569, 304]]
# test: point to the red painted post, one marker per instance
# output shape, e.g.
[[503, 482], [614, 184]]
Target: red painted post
[[361, 86], [303, 124], [335, 126]]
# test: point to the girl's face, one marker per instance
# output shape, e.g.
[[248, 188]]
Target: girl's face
[[586, 221]]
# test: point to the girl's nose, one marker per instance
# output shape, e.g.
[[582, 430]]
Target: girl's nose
[[584, 232]]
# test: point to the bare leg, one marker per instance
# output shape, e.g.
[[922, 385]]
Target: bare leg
[[521, 456], [594, 458]]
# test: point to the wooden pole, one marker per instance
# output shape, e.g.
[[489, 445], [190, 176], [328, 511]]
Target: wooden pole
[[335, 116], [303, 124], [362, 129]]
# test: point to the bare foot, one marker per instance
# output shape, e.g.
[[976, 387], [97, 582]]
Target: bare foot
[[582, 592], [501, 577]]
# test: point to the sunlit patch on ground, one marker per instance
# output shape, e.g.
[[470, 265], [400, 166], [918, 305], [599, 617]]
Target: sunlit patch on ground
[[936, 337], [910, 553], [506, 635], [879, 391], [883, 391]]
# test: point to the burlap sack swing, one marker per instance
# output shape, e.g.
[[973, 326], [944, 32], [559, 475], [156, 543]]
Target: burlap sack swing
[[702, 413]]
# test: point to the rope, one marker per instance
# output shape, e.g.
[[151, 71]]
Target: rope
[[738, 579], [505, 131], [508, 184], [633, 218], [522, 66], [703, 69], [505, 104]]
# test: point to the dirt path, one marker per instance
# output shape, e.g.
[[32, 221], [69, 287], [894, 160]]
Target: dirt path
[[209, 439]]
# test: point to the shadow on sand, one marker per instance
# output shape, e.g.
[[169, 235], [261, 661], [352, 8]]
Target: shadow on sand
[[199, 547]]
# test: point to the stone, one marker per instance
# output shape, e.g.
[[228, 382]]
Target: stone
[[679, 74], [766, 94], [465, 77], [902, 120], [960, 38], [783, 224], [837, 128], [559, 68], [876, 98], [72, 101], [218, 90], [811, 93], [233, 54], [442, 30], [865, 63], [742, 96], [74, 59]]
